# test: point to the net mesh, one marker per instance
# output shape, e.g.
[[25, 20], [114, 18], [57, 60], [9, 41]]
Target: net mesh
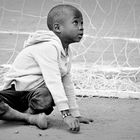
[[107, 60]]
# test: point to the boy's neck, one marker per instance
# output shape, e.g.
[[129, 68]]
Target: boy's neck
[[65, 47], [64, 43]]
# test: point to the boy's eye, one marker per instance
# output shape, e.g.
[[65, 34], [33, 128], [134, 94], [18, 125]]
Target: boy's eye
[[75, 22]]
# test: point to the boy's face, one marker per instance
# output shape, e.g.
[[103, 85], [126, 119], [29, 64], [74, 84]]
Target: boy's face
[[72, 26]]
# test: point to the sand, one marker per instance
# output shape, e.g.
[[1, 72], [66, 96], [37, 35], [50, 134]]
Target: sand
[[114, 119]]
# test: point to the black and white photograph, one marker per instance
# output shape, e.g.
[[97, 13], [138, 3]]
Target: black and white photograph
[[70, 69]]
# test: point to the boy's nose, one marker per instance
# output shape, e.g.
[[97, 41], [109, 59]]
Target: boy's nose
[[81, 27]]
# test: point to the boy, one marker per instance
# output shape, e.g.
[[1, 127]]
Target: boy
[[40, 75]]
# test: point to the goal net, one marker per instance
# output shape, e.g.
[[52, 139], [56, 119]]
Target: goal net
[[107, 60]]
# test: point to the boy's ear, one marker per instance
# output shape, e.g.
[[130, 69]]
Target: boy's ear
[[56, 27]]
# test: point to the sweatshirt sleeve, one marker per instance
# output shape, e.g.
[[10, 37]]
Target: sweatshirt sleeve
[[70, 93], [46, 57]]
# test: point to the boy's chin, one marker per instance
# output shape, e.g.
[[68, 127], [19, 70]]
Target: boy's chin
[[78, 40]]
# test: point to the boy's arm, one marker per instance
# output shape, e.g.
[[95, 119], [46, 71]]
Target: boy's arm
[[70, 93], [46, 57], [47, 61], [74, 110]]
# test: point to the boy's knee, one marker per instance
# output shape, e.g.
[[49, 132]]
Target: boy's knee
[[44, 97], [42, 101]]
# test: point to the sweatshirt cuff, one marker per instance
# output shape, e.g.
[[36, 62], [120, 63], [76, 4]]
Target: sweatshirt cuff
[[62, 106]]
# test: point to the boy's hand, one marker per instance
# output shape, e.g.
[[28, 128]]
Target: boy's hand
[[84, 120], [73, 123]]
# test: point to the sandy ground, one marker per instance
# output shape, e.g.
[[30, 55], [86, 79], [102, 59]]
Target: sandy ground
[[114, 119]]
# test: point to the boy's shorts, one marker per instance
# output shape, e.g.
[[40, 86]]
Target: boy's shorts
[[39, 100]]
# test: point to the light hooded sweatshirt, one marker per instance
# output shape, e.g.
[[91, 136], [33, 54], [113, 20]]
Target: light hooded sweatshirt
[[43, 62]]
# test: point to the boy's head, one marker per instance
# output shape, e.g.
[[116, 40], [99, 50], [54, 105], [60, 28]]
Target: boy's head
[[66, 22]]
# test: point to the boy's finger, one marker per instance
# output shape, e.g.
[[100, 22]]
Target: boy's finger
[[73, 127], [77, 126], [76, 130], [91, 120], [85, 121]]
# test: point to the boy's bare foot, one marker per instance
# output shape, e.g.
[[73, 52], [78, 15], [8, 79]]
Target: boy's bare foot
[[10, 114], [40, 120]]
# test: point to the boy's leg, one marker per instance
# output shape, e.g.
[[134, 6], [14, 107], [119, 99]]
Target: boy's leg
[[8, 113], [40, 101]]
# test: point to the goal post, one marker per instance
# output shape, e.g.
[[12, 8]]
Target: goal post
[[107, 60]]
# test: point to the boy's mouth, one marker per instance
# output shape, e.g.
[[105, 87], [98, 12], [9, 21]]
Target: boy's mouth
[[80, 35]]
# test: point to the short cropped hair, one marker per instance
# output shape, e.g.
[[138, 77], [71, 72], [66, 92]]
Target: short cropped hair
[[57, 13]]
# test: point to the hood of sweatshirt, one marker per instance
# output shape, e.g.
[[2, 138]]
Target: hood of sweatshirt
[[39, 37], [44, 36]]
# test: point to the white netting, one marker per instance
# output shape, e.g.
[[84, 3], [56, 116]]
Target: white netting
[[106, 62]]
